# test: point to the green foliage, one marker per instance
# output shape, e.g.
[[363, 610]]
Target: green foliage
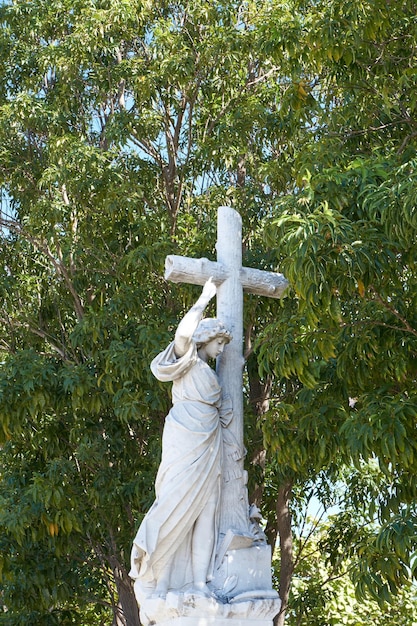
[[344, 236], [123, 125], [323, 592]]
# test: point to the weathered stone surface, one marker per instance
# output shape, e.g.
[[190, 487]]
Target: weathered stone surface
[[199, 556]]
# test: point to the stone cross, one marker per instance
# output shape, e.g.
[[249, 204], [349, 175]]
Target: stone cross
[[231, 280]]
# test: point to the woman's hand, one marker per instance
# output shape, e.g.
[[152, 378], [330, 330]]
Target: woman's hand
[[190, 321], [209, 290]]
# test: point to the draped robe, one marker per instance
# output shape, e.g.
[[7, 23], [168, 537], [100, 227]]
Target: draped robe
[[189, 473]]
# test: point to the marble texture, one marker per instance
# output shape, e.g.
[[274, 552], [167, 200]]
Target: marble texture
[[189, 475], [193, 609], [200, 556]]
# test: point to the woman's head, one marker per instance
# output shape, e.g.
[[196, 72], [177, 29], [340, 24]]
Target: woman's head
[[211, 328]]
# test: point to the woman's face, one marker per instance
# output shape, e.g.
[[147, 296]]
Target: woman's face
[[212, 348]]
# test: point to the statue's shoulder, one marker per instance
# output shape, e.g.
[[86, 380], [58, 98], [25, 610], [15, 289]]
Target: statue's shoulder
[[166, 366]]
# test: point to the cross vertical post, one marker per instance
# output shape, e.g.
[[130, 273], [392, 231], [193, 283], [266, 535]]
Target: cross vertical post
[[234, 508], [230, 310], [231, 280]]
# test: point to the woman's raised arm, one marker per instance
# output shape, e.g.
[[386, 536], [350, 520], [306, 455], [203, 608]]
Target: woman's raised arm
[[190, 321]]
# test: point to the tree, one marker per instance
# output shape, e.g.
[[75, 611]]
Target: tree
[[322, 592], [346, 234]]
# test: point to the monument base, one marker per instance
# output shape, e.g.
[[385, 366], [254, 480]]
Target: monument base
[[188, 609], [214, 621], [242, 595]]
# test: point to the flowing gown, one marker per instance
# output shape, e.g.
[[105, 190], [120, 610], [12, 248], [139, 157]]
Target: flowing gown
[[189, 473]]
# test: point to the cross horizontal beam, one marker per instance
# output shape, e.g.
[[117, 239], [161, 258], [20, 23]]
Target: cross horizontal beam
[[179, 269]]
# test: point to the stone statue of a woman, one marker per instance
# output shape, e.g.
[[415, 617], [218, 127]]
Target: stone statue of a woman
[[175, 545]]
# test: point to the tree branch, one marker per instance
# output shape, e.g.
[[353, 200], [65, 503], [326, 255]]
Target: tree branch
[[58, 264], [393, 311]]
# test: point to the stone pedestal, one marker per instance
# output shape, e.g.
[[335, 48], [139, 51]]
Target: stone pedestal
[[242, 594], [189, 609], [210, 621]]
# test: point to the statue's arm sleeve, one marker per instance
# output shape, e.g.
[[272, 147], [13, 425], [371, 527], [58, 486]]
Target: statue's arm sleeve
[[168, 367]]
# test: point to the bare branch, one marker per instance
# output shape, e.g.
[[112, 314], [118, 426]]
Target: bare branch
[[406, 141], [262, 77], [58, 264], [394, 312], [122, 84]]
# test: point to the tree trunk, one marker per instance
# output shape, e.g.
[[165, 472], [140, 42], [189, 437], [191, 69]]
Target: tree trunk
[[127, 612], [286, 547]]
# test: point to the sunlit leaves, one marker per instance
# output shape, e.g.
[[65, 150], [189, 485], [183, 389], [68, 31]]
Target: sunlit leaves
[[338, 589]]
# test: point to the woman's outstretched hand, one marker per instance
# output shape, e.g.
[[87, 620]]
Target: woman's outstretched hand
[[190, 321], [209, 289]]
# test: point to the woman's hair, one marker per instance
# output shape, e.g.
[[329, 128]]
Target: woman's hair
[[210, 328]]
